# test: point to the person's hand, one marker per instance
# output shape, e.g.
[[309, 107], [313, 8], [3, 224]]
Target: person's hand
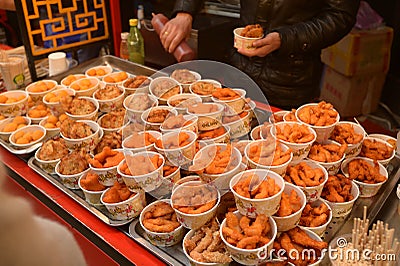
[[264, 46], [175, 31]]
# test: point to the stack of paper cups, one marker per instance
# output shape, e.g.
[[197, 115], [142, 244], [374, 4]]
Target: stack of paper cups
[[57, 63]]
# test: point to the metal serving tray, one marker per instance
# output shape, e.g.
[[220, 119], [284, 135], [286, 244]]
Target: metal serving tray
[[174, 255]]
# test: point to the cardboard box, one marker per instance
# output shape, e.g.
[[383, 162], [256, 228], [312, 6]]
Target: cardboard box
[[360, 52], [352, 96]]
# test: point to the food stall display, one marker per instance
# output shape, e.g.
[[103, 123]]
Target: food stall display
[[171, 157]]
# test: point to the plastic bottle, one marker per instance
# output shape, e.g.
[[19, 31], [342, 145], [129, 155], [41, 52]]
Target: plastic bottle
[[182, 52], [135, 43], [124, 49]]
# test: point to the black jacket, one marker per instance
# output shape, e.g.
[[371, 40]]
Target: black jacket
[[291, 75]]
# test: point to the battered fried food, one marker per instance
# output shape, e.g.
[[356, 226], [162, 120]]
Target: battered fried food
[[262, 188], [194, 198], [203, 88], [322, 114], [183, 76], [91, 182], [268, 152], [225, 94], [289, 204], [117, 193], [108, 92], [182, 139], [376, 150], [136, 82], [112, 140], [247, 233], [77, 106], [168, 170], [184, 102], [337, 189], [114, 119], [74, 163], [297, 240], [137, 140], [345, 134], [75, 130], [275, 118], [141, 165], [157, 115], [295, 133], [53, 149], [211, 134], [160, 218], [107, 158], [176, 121], [327, 153], [363, 171], [314, 216], [205, 245], [252, 31], [203, 108], [140, 102], [290, 116], [215, 161], [304, 175]]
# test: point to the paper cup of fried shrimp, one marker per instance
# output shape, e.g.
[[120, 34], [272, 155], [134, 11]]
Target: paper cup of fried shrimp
[[209, 114], [248, 240], [136, 104], [185, 77], [195, 203], [121, 203], [309, 176], [257, 191], [377, 149], [182, 101], [392, 141], [141, 141], [268, 154], [105, 163], [91, 187], [160, 224], [328, 154], [155, 116], [292, 203], [242, 42], [368, 174], [298, 137], [321, 117], [204, 88], [180, 122], [233, 100], [127, 177], [340, 193], [178, 147], [85, 86], [164, 88], [217, 164], [145, 168], [200, 251], [316, 216], [351, 134]]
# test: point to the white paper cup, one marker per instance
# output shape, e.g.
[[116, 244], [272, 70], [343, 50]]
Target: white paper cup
[[341, 209], [57, 63], [319, 230]]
